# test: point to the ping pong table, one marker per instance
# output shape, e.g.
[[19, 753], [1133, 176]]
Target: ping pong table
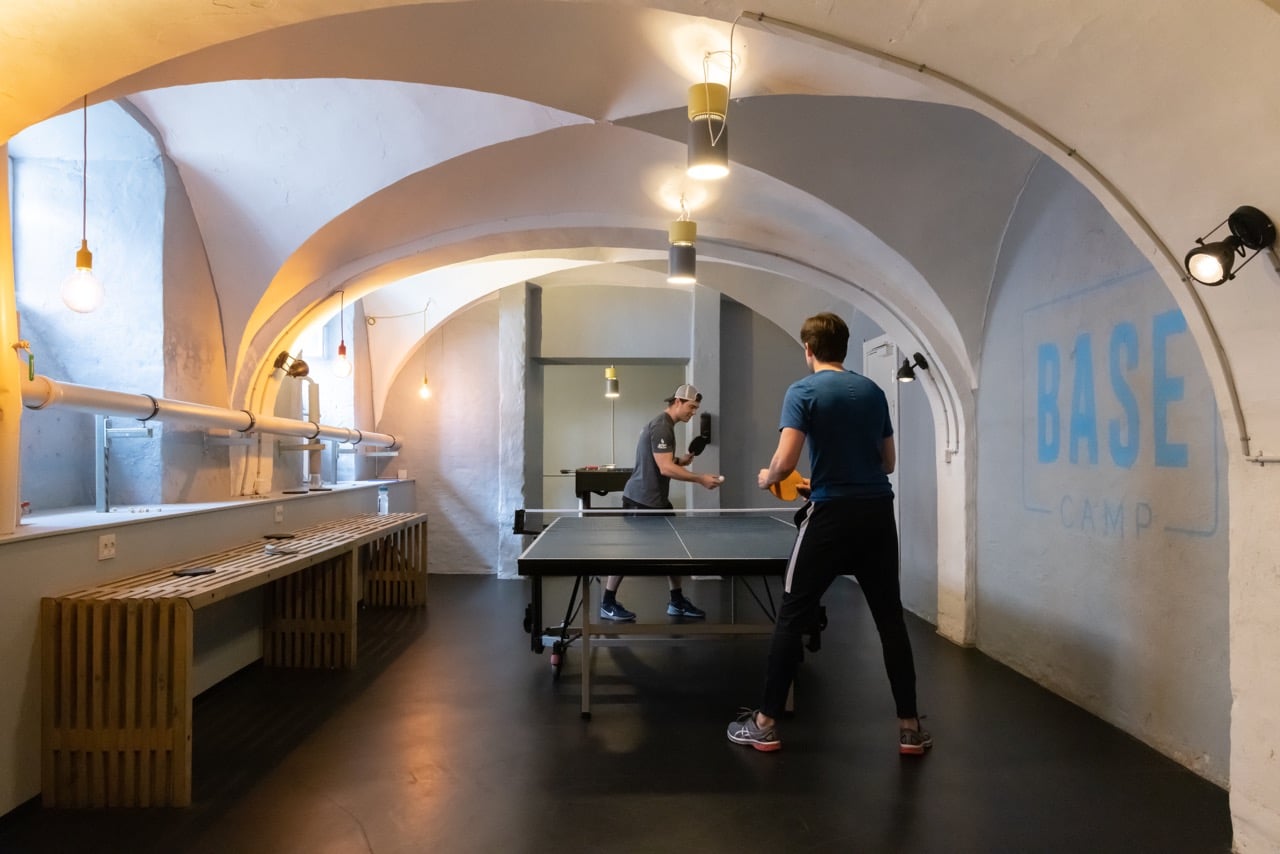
[[587, 545]]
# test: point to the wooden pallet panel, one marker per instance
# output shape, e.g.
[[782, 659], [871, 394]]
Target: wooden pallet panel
[[395, 568], [116, 658], [310, 619], [116, 705]]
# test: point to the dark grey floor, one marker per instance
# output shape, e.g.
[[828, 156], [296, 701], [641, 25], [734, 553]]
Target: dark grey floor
[[451, 736]]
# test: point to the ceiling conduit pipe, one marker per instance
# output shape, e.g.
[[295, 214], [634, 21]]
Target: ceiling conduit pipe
[[42, 392]]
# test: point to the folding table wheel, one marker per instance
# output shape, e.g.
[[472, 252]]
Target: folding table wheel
[[557, 658]]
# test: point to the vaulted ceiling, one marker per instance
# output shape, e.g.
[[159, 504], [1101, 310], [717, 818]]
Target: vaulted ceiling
[[878, 148]]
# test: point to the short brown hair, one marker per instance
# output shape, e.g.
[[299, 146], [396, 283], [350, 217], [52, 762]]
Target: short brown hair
[[827, 337]]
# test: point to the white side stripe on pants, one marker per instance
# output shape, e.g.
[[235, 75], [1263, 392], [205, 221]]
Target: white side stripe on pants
[[795, 549]]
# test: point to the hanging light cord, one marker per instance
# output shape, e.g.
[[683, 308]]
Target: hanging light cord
[[706, 85], [84, 173]]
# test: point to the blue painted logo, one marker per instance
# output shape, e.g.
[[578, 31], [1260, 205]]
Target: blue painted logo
[[1120, 426]]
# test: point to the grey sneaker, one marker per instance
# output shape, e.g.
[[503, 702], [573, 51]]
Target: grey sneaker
[[745, 730], [616, 612], [914, 742], [685, 608]]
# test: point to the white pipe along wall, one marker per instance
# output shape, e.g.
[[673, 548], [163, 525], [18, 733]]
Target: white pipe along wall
[[41, 392]]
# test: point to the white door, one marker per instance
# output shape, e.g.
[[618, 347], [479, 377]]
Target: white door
[[880, 362]]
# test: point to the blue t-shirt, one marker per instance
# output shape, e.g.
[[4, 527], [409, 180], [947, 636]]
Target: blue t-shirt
[[845, 419]]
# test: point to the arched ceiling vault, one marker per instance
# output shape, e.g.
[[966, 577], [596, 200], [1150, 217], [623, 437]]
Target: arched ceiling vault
[[584, 185], [862, 185]]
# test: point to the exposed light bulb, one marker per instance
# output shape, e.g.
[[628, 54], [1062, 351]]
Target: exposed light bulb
[[1206, 268], [81, 291], [342, 365], [425, 391]]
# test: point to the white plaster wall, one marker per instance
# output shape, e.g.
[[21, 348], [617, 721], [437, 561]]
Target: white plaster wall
[[1255, 602], [1102, 538], [518, 310], [194, 366], [451, 441], [758, 361], [121, 344], [586, 321]]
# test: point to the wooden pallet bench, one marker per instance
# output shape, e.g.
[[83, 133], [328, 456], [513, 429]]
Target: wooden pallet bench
[[117, 657]]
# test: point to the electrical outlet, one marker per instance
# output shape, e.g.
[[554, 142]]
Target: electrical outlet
[[106, 546], [279, 513]]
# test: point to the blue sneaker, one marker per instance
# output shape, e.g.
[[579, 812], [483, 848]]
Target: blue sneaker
[[745, 730], [684, 608], [616, 612]]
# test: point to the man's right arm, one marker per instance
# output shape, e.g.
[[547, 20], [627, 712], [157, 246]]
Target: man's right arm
[[785, 457], [669, 467]]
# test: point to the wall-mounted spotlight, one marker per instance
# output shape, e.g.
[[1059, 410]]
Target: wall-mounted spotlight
[[682, 257], [291, 366], [610, 382], [1211, 263], [907, 373]]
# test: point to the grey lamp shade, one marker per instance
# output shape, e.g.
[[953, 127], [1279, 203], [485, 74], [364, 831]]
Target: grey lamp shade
[[682, 265], [708, 149]]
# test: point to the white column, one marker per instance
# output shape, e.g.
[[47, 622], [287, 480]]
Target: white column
[[516, 453], [1254, 602], [704, 374], [957, 475]]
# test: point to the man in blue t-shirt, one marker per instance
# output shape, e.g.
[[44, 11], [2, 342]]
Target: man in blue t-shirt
[[649, 488], [846, 527]]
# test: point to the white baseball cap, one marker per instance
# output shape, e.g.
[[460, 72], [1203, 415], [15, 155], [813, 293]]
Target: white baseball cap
[[686, 392]]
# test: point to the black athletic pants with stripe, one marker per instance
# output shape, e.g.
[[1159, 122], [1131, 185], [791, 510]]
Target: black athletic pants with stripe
[[845, 536]]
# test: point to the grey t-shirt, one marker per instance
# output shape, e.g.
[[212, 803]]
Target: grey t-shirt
[[646, 485]]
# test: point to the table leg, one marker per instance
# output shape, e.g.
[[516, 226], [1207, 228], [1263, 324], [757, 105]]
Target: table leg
[[586, 647], [536, 627]]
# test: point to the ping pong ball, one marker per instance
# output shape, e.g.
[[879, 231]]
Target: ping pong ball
[[721, 478]]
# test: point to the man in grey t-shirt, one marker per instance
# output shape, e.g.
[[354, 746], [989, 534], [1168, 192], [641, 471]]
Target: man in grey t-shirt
[[649, 488]]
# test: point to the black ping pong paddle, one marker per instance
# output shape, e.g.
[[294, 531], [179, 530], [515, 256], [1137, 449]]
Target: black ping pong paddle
[[698, 445]]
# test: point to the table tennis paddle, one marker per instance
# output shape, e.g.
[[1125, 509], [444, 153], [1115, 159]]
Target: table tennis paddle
[[786, 488], [698, 445]]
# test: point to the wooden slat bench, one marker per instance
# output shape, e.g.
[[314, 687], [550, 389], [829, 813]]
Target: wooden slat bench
[[117, 657]]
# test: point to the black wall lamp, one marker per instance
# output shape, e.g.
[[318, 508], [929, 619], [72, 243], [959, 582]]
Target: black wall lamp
[[907, 373], [1211, 263]]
